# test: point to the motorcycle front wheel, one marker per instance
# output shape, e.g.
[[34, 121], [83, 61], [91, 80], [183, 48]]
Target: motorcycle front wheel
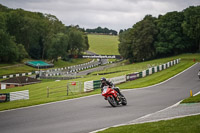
[[112, 101]]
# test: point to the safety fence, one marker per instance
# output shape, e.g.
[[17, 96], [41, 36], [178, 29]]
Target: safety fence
[[72, 88], [12, 96], [91, 85]]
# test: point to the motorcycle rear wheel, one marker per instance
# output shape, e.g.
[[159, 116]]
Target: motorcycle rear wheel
[[112, 101]]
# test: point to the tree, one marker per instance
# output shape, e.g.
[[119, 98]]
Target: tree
[[21, 52], [191, 25], [8, 48], [136, 44], [144, 34], [102, 31], [2, 21], [121, 31], [171, 40], [37, 34], [125, 45], [77, 41], [59, 47]]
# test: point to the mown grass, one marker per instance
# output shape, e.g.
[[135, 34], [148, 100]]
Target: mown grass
[[189, 124], [38, 92], [61, 63], [124, 68], [158, 77], [192, 99], [22, 68], [103, 44]]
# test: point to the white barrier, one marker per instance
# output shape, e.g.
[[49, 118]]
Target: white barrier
[[19, 95], [160, 67], [164, 66], [117, 80], [155, 69], [88, 86], [144, 73], [150, 71], [174, 62]]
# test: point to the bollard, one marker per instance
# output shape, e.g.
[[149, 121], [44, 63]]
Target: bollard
[[191, 93]]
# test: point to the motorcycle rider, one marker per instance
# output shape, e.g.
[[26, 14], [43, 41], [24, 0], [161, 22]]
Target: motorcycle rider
[[104, 82]]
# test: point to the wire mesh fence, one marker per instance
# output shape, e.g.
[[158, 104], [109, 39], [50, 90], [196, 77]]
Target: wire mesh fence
[[71, 88]]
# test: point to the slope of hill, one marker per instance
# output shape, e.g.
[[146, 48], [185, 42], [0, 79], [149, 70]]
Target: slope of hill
[[103, 44]]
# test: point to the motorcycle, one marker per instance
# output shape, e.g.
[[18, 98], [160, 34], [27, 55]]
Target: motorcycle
[[199, 74], [113, 97]]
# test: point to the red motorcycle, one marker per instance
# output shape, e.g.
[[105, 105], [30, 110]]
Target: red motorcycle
[[114, 98]]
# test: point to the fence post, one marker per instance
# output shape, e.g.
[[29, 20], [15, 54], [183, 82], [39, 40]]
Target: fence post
[[67, 89], [47, 91]]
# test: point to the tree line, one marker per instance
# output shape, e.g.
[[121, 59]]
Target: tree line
[[170, 34], [100, 30], [38, 36]]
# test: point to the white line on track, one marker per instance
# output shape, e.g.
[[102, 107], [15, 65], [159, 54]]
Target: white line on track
[[174, 105], [96, 94], [145, 116]]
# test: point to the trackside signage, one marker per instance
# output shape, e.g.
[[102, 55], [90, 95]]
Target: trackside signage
[[4, 97], [97, 56], [133, 76], [100, 56], [91, 85], [12, 96]]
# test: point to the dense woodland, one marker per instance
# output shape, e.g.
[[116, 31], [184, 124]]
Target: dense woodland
[[42, 36], [100, 30], [171, 34], [38, 36]]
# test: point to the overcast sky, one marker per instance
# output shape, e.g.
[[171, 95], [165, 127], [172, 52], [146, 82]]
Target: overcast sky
[[113, 14]]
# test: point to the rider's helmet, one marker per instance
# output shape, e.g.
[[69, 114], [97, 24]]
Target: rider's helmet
[[103, 80]]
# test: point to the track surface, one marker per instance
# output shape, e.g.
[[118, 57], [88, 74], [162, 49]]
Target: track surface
[[91, 113]]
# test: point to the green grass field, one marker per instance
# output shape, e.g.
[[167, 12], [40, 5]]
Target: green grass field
[[103, 44], [192, 99], [100, 44], [38, 92], [189, 124], [22, 68]]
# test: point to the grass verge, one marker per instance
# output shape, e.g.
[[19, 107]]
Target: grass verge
[[38, 92], [157, 77], [192, 99], [190, 124]]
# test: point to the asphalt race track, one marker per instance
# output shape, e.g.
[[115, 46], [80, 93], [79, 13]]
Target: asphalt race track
[[91, 113]]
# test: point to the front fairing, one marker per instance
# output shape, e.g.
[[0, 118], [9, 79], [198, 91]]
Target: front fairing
[[108, 92]]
